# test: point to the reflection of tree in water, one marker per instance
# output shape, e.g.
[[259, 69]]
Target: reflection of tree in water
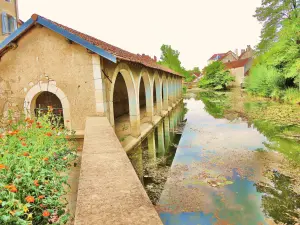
[[279, 200], [215, 103]]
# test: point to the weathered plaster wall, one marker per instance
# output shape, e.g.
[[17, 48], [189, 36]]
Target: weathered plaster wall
[[238, 73], [248, 54], [41, 53]]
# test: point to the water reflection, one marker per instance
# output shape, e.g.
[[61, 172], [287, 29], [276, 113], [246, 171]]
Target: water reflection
[[154, 156], [221, 167]]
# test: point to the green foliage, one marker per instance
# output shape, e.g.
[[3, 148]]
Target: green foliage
[[264, 81], [271, 14], [216, 77], [277, 68], [35, 158], [170, 58]]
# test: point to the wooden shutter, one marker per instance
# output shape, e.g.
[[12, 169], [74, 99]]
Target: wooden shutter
[[4, 23]]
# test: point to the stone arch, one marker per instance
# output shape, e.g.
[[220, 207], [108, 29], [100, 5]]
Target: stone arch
[[144, 80], [123, 70], [157, 90], [36, 90]]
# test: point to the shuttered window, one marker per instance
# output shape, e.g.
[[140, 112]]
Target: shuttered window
[[4, 23]]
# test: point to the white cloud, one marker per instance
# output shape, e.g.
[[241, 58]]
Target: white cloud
[[196, 28]]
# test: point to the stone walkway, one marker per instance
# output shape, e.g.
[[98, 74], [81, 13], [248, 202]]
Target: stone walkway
[[109, 192]]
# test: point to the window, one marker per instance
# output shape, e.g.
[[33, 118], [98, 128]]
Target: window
[[9, 23]]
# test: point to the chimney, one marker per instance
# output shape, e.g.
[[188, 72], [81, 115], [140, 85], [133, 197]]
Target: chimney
[[237, 52], [242, 51], [248, 48], [155, 59]]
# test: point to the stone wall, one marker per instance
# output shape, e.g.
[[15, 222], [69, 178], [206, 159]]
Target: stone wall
[[43, 55]]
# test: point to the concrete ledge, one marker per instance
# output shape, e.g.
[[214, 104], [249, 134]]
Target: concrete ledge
[[109, 191]]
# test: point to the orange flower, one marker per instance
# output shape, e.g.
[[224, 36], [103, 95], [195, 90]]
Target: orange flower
[[1, 136], [48, 134], [41, 197], [29, 199], [24, 144], [36, 183], [9, 121], [14, 190], [31, 121], [10, 133], [25, 154], [46, 159], [2, 167], [12, 212], [46, 213], [39, 126], [64, 158]]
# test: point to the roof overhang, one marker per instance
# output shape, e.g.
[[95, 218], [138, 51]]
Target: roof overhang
[[35, 19]]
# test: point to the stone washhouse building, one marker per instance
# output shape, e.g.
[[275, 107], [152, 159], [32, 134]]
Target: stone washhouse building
[[45, 63]]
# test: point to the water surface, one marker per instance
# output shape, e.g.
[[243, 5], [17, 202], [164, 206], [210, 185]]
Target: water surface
[[231, 164]]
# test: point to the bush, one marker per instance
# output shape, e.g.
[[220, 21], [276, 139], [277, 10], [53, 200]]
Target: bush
[[264, 81], [292, 95], [35, 157], [216, 77]]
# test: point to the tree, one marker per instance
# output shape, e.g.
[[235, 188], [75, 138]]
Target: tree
[[195, 70], [271, 14], [170, 58], [216, 76]]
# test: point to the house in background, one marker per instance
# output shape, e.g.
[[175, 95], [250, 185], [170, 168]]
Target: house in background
[[247, 53], [239, 69], [196, 76], [9, 18], [224, 57]]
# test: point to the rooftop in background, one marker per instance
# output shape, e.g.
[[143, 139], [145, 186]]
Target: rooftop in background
[[236, 64], [217, 56], [113, 50]]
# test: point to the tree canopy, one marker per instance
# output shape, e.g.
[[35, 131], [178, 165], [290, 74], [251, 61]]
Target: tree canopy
[[271, 14]]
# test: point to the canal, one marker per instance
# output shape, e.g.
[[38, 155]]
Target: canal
[[223, 158]]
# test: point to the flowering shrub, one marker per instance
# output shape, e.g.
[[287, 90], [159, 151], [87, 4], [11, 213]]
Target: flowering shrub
[[35, 158]]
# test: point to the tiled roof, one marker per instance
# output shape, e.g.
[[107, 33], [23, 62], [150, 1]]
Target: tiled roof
[[118, 52], [196, 74], [221, 55], [236, 64]]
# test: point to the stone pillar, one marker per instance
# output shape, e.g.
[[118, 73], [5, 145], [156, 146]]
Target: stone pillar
[[171, 89], [99, 84], [165, 92], [151, 148], [161, 143], [135, 123], [149, 100], [167, 131], [159, 101]]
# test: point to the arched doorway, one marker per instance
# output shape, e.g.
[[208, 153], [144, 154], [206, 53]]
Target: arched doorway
[[121, 107]]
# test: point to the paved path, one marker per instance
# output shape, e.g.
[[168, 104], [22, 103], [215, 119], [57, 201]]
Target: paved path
[[109, 192]]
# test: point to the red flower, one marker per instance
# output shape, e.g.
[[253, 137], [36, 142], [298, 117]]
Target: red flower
[[46, 213], [41, 197], [39, 126], [31, 121], [24, 144], [1, 136], [29, 199], [48, 134], [25, 154], [36, 183], [46, 159]]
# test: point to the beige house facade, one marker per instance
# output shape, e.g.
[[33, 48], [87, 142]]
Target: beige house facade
[[239, 69], [8, 18], [81, 76]]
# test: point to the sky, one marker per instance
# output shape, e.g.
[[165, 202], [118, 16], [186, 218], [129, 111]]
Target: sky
[[196, 28]]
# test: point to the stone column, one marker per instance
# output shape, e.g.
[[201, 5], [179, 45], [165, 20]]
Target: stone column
[[167, 131], [161, 143], [165, 92], [151, 148], [99, 84], [171, 89], [135, 123], [149, 100], [159, 101]]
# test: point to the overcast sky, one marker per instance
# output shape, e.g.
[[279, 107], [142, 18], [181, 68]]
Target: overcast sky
[[197, 28]]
